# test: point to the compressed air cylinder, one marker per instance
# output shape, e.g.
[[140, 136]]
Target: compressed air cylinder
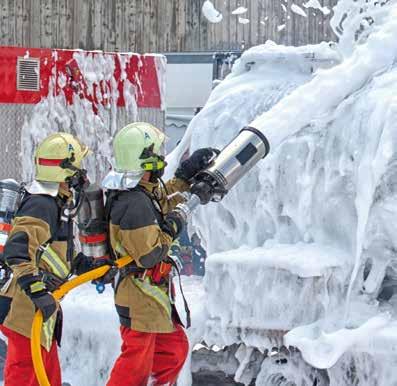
[[92, 224], [9, 201]]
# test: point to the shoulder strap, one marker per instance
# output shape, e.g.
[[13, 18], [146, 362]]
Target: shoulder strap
[[111, 197], [70, 243], [154, 200], [61, 206]]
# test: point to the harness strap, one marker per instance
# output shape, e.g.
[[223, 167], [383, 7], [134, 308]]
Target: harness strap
[[111, 196], [45, 251], [70, 243], [131, 269], [185, 303], [153, 198]]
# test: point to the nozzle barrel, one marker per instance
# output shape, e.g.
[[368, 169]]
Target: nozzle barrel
[[238, 157], [233, 162], [187, 207]]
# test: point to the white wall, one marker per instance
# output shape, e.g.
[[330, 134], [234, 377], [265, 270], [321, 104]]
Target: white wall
[[188, 84]]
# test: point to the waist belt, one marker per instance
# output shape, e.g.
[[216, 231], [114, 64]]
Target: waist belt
[[132, 269], [140, 273]]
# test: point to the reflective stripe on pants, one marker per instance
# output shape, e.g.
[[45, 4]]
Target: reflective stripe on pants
[[48, 331]]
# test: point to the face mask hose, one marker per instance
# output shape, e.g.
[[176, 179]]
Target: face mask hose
[[78, 182]]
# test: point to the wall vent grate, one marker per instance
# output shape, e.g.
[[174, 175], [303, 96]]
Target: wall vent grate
[[28, 74]]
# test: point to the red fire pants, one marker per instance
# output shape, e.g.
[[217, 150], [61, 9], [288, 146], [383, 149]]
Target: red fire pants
[[18, 369], [144, 355]]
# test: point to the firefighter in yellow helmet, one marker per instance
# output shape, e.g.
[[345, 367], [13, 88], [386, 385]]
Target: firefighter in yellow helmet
[[143, 225], [40, 253]]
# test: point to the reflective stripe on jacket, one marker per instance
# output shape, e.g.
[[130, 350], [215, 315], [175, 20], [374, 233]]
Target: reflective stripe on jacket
[[57, 265]]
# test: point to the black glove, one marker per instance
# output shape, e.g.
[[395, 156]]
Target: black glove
[[83, 264], [109, 275], [198, 161], [36, 290], [51, 281], [174, 223], [204, 191], [45, 302]]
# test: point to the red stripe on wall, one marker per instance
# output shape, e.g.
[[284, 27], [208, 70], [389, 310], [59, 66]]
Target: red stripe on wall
[[140, 70]]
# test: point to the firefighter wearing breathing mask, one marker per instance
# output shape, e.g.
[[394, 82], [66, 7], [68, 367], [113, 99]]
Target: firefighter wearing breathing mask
[[143, 225], [40, 253]]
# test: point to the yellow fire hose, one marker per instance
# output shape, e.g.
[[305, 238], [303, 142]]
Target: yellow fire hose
[[35, 341]]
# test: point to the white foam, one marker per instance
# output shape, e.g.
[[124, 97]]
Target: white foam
[[211, 13]]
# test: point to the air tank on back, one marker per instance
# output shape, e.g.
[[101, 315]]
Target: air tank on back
[[10, 196], [10, 192], [92, 224]]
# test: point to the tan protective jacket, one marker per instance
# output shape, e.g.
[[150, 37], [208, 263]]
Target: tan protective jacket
[[135, 230], [36, 222]]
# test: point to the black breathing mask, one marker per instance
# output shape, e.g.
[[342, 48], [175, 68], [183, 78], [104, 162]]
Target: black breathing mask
[[78, 182], [155, 166]]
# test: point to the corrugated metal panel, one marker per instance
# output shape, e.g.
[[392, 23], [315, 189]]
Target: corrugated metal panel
[[153, 116], [178, 120], [158, 25], [12, 117], [176, 123]]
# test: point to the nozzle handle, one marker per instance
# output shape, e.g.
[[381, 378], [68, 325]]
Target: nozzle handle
[[188, 206]]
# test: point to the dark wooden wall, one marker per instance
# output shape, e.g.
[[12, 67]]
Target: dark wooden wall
[[155, 25]]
